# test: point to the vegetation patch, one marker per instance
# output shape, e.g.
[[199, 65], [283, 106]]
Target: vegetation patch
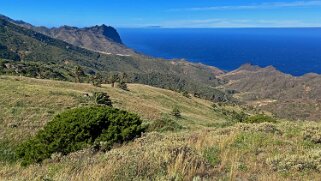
[[77, 128], [7, 153], [212, 155], [102, 98], [310, 161], [313, 134], [176, 113], [163, 125], [259, 118]]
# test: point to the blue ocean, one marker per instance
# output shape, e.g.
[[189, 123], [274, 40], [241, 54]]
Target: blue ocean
[[296, 51]]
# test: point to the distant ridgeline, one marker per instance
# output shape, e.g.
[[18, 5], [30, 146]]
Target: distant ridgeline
[[24, 51]]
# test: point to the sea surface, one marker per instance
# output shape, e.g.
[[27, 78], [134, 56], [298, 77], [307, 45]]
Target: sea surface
[[296, 51]]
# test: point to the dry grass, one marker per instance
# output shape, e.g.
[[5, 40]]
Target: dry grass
[[27, 104], [246, 152], [266, 151]]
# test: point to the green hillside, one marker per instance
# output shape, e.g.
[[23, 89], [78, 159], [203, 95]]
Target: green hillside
[[207, 142], [29, 53]]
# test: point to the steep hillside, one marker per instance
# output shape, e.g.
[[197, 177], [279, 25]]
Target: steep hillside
[[28, 47], [102, 38], [206, 143], [285, 95]]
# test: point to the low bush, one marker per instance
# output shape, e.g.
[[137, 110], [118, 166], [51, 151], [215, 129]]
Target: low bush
[[310, 161], [163, 125], [212, 155], [102, 98], [7, 153], [259, 118], [176, 112], [122, 85], [313, 134], [78, 128]]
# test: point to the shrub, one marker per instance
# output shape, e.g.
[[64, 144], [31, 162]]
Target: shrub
[[7, 154], [78, 128], [260, 118], [176, 112], [102, 98], [212, 155], [310, 161], [313, 134], [123, 85], [164, 124], [78, 72], [97, 80]]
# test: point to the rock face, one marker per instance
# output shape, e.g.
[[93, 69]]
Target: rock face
[[103, 39]]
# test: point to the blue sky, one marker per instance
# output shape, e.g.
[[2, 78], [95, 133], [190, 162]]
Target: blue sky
[[166, 13]]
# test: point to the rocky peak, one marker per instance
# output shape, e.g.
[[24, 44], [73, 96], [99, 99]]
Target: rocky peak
[[108, 31], [102, 38]]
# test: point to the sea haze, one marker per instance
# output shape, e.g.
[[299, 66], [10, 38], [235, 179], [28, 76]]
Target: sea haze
[[292, 50]]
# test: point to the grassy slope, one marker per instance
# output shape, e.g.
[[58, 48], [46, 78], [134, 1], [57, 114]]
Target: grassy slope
[[258, 152], [30, 103]]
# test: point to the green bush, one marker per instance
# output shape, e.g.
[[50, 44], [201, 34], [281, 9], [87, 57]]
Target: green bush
[[102, 98], [259, 118], [78, 128], [176, 112], [163, 125], [7, 153], [312, 134], [308, 161], [212, 155], [123, 85], [97, 80]]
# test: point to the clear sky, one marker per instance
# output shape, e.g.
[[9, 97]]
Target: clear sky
[[166, 13]]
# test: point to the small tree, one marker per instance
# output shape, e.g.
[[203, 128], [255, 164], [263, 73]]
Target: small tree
[[78, 73], [113, 79], [124, 77], [97, 80], [176, 112], [102, 98], [123, 85]]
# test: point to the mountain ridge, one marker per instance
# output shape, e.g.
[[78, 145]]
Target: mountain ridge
[[100, 38], [295, 97], [31, 46]]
